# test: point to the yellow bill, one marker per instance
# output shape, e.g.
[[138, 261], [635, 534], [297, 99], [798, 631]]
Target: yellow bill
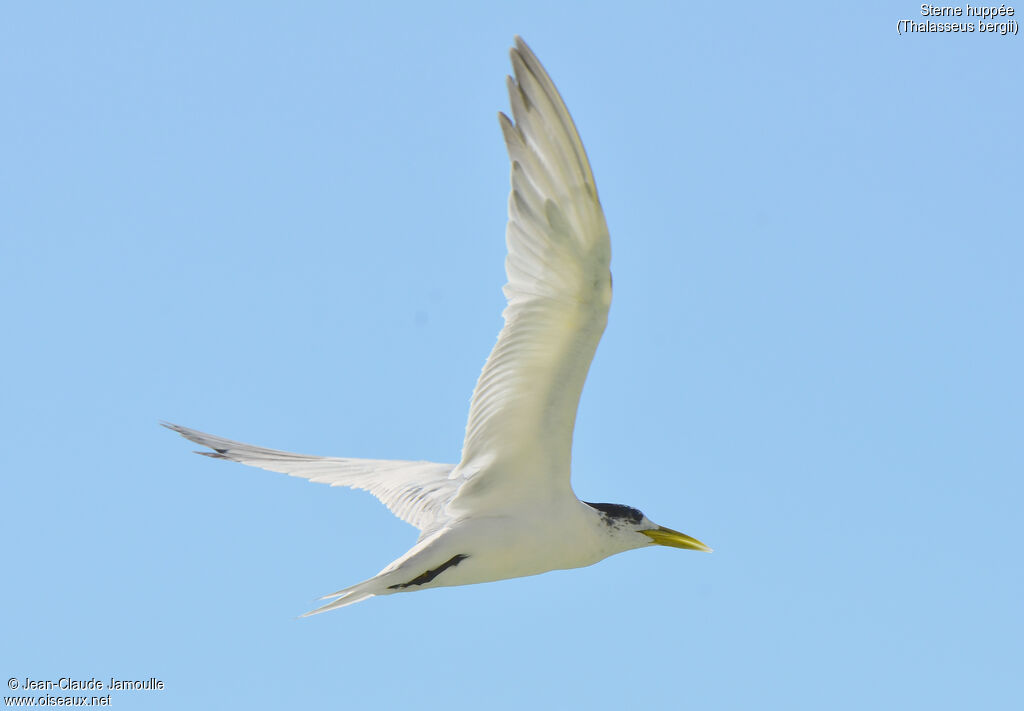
[[667, 537]]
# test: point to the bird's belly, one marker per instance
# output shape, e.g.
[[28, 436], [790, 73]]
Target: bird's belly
[[497, 549]]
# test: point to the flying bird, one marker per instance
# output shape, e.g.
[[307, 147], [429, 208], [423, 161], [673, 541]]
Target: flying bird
[[507, 509]]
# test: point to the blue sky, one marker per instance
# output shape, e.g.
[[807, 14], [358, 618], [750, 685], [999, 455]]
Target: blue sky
[[284, 224]]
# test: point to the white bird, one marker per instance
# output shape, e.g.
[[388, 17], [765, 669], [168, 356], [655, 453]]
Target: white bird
[[507, 509]]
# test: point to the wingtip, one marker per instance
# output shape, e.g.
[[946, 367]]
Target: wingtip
[[524, 50], [180, 429], [521, 51]]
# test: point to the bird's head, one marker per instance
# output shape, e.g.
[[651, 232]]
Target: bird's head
[[625, 522]]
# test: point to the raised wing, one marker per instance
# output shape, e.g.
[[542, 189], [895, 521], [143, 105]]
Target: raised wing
[[521, 419], [416, 492]]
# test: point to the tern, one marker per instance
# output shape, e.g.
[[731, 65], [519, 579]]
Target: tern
[[507, 509]]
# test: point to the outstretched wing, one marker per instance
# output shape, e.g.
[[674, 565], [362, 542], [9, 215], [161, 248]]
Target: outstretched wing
[[521, 419], [416, 492]]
